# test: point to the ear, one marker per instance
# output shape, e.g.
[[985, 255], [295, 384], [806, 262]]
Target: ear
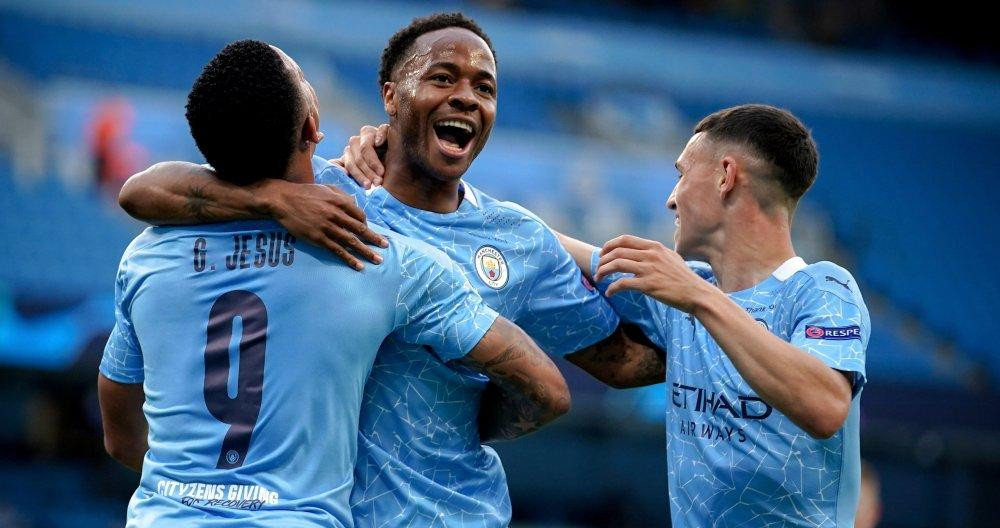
[[727, 180], [310, 131], [389, 98]]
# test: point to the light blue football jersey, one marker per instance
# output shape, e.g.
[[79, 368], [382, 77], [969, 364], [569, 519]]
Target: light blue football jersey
[[733, 460], [253, 350], [420, 459]]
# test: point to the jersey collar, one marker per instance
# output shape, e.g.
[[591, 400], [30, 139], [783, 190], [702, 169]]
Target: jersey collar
[[788, 268], [467, 192]]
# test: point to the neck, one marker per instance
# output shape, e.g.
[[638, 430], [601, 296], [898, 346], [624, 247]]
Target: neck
[[413, 186], [750, 247], [300, 167]]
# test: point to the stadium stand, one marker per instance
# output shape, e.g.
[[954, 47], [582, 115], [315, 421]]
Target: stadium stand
[[906, 146]]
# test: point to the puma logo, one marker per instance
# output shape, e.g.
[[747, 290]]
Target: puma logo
[[844, 284]]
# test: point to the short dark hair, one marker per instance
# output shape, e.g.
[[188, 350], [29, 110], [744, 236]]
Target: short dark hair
[[775, 135], [401, 41], [244, 111]]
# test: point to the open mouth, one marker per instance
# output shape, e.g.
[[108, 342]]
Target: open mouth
[[454, 136]]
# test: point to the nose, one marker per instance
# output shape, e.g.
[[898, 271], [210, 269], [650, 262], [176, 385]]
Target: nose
[[463, 98], [672, 200]]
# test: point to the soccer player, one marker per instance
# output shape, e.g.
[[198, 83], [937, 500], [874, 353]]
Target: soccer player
[[765, 353], [421, 458], [234, 376]]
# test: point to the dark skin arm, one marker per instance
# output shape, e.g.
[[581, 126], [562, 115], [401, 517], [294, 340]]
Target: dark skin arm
[[125, 428], [526, 390], [177, 192], [625, 359]]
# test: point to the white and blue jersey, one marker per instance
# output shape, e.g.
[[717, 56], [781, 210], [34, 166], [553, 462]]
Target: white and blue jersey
[[733, 460], [420, 459], [253, 350]]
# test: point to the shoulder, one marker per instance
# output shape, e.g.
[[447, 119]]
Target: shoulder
[[407, 249], [148, 237], [500, 211], [323, 169], [143, 255], [327, 173], [829, 278]]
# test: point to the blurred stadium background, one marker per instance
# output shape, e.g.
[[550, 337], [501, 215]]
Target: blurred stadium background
[[596, 100]]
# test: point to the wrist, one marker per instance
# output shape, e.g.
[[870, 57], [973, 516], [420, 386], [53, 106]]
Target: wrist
[[706, 298], [265, 197]]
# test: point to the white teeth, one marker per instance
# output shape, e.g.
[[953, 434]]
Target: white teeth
[[457, 124]]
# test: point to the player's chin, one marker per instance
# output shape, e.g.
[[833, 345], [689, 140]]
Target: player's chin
[[450, 168], [681, 246]]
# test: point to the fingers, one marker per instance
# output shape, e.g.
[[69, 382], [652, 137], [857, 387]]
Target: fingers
[[369, 158], [350, 165], [364, 233], [360, 158], [628, 241], [620, 285], [343, 202], [622, 253], [346, 239], [324, 241], [618, 266], [381, 134]]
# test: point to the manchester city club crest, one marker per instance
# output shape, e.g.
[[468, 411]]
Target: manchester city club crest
[[491, 267]]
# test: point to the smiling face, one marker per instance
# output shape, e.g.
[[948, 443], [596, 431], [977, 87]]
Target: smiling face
[[696, 199], [442, 101]]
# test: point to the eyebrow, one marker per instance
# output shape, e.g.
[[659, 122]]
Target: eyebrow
[[451, 66]]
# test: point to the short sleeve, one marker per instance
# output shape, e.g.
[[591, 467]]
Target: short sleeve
[[437, 307], [834, 327], [122, 358], [565, 312], [650, 315]]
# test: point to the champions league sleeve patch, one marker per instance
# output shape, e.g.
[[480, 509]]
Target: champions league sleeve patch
[[833, 332]]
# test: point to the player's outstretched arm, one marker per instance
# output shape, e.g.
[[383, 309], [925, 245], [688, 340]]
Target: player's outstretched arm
[[177, 192], [624, 360], [579, 250], [811, 394], [526, 390], [125, 427]]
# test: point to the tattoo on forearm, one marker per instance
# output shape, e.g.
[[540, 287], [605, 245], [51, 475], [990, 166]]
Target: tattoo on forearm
[[512, 408], [625, 359], [514, 404], [512, 352], [197, 202]]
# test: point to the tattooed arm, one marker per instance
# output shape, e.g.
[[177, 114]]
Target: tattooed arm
[[625, 359], [526, 390], [177, 192]]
